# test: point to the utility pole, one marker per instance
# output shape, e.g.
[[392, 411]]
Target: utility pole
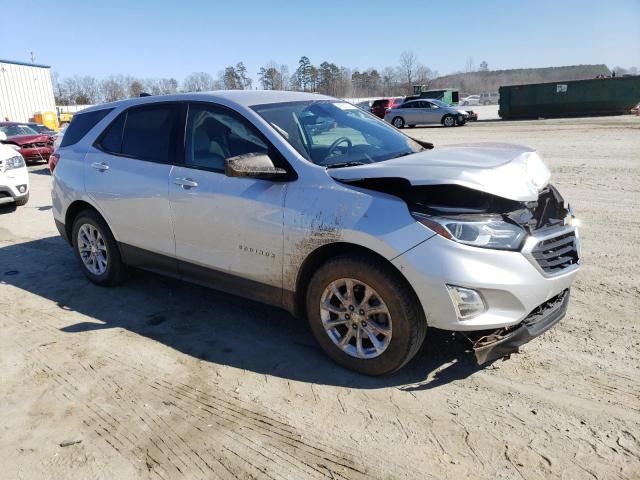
[[33, 57]]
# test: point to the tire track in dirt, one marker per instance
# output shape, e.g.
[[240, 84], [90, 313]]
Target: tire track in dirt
[[268, 440]]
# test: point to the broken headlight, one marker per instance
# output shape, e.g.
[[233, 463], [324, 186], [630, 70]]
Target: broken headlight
[[487, 232]]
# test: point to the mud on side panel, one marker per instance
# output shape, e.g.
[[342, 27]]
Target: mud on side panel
[[330, 212]]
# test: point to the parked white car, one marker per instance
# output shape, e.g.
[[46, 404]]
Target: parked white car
[[470, 100], [14, 177]]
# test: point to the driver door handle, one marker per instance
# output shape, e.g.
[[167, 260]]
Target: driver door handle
[[185, 183]]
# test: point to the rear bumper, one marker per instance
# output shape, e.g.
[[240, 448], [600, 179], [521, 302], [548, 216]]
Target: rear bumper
[[62, 229], [507, 340]]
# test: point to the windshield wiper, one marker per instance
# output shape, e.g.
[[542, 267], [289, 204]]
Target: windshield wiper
[[404, 154], [345, 164]]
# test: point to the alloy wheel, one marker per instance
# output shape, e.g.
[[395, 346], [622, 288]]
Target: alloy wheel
[[92, 249], [355, 318]]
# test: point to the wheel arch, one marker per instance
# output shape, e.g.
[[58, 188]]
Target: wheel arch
[[72, 213], [323, 254]]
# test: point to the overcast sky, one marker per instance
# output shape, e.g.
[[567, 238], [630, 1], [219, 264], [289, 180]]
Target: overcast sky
[[172, 39]]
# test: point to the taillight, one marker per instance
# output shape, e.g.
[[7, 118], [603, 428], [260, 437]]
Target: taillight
[[54, 158]]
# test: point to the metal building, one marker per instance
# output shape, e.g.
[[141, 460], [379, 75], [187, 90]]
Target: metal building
[[25, 88]]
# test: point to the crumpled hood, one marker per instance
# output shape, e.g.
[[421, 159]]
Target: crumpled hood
[[24, 139], [510, 171]]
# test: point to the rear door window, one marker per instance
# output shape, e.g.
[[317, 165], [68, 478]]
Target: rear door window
[[148, 132], [81, 124], [144, 133]]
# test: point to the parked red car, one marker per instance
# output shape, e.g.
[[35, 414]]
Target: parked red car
[[33, 146], [380, 107]]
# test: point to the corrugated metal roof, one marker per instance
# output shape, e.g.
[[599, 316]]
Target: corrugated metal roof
[[26, 64]]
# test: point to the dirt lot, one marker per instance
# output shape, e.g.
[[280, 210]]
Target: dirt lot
[[158, 378]]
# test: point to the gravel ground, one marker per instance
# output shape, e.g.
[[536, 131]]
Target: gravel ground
[[161, 379]]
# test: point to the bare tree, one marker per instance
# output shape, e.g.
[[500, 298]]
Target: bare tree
[[113, 88], [81, 90], [408, 64], [199, 82], [484, 66], [135, 88], [424, 75]]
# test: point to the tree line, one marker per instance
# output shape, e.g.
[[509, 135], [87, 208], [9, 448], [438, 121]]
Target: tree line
[[326, 78]]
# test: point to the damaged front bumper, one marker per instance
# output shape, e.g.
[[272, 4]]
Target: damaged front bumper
[[506, 340]]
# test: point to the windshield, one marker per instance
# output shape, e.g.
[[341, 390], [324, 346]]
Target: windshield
[[439, 103], [334, 134], [14, 130], [40, 128]]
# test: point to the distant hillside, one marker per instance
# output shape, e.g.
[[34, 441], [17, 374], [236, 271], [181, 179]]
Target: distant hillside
[[490, 81]]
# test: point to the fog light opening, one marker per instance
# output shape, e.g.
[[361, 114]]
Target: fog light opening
[[22, 188], [468, 303]]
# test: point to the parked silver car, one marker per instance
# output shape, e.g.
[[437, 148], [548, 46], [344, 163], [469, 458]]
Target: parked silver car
[[370, 235], [424, 112]]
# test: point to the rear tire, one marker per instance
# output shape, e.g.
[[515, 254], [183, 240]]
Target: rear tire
[[398, 326], [448, 121], [22, 201], [96, 249], [398, 122]]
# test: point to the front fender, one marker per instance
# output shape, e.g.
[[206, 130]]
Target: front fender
[[328, 212]]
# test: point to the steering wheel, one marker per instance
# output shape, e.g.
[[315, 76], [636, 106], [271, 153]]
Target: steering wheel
[[335, 144]]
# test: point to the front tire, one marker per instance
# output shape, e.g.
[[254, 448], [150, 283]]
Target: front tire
[[96, 249], [448, 121], [364, 315], [398, 122]]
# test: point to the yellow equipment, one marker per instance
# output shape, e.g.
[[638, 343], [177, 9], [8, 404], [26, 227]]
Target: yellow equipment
[[48, 119], [65, 117]]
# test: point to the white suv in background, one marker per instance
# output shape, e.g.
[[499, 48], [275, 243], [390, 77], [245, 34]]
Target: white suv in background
[[14, 177]]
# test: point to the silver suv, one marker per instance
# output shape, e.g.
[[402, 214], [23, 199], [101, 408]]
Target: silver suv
[[308, 203]]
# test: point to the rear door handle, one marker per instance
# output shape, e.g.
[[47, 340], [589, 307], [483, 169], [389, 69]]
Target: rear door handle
[[186, 183], [103, 167]]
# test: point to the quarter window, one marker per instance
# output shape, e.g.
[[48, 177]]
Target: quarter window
[[215, 134], [112, 138], [81, 124]]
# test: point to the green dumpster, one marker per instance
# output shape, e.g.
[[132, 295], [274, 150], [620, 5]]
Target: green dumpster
[[598, 96]]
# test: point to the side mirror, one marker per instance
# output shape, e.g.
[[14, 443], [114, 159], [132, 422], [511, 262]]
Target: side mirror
[[253, 165], [3, 136]]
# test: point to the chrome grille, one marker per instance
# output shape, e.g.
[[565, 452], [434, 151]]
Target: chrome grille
[[556, 253]]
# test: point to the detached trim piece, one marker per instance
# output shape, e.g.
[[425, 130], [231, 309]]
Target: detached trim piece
[[504, 341]]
